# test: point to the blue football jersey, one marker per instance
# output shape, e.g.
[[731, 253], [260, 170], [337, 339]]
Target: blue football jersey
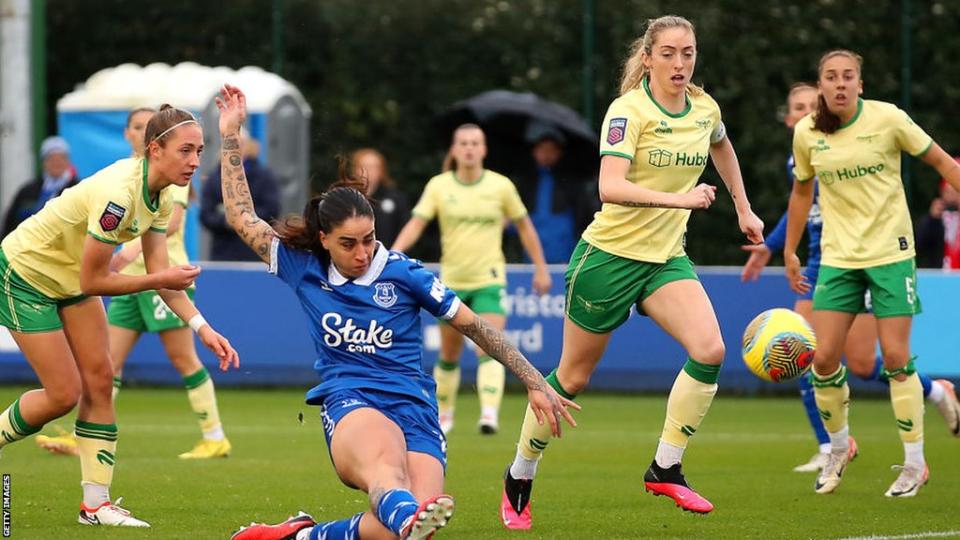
[[776, 239], [367, 330]]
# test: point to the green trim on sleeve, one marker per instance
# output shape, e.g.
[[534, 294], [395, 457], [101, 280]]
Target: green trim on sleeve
[[925, 150], [182, 204], [802, 180], [421, 216], [618, 154], [520, 217], [104, 240], [159, 230]]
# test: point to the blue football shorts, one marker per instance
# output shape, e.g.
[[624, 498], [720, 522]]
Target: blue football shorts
[[418, 421]]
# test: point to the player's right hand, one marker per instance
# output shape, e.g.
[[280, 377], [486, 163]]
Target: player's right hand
[[798, 282], [759, 257], [699, 198], [180, 277], [549, 405]]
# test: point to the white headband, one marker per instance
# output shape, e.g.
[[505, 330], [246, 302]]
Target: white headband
[[173, 127]]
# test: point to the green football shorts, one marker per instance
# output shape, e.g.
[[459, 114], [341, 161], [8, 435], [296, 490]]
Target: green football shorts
[[892, 287], [25, 309], [602, 287], [485, 299], [144, 312]]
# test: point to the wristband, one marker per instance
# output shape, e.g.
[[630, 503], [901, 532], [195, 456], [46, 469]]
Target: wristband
[[196, 322]]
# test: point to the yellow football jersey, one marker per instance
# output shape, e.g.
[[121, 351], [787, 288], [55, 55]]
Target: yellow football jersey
[[176, 248], [112, 206], [866, 221], [471, 218], [668, 153]]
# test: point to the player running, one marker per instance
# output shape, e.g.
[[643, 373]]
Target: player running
[[657, 137], [56, 265]]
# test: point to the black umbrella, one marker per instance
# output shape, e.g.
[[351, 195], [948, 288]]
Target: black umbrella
[[513, 121]]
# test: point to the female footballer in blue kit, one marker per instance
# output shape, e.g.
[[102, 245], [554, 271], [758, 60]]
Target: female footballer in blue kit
[[378, 407]]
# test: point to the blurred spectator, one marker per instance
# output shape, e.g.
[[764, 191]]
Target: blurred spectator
[[390, 205], [136, 128], [58, 174], [225, 244], [938, 233], [561, 203]]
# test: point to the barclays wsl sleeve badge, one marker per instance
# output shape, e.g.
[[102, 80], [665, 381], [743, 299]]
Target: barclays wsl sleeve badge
[[111, 216], [617, 130]]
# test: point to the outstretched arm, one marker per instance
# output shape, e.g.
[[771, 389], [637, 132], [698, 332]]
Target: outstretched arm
[[725, 160], [237, 202], [531, 244], [409, 234], [156, 259], [543, 398]]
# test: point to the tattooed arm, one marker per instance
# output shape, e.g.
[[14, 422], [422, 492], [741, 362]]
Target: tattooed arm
[[237, 202], [544, 401]]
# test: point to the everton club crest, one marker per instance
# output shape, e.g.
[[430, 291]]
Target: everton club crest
[[385, 295]]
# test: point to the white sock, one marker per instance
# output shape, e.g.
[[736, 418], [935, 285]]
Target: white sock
[[95, 495], [913, 454], [936, 392], [668, 455], [841, 439], [215, 434], [825, 448], [489, 412], [304, 534], [523, 468]]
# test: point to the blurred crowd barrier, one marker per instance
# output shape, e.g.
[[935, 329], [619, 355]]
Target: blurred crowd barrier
[[263, 320]]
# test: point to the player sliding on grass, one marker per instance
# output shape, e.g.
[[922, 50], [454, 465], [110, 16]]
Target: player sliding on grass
[[54, 268], [860, 345], [656, 139], [853, 148], [378, 407]]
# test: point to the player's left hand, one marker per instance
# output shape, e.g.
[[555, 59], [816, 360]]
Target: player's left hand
[[220, 346], [759, 257], [549, 405], [542, 281], [751, 226], [233, 109]]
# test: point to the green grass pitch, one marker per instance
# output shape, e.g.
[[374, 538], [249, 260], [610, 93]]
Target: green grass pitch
[[590, 482]]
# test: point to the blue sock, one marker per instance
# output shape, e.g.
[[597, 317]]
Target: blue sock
[[927, 384], [925, 381], [395, 507], [877, 373], [810, 405], [345, 529]]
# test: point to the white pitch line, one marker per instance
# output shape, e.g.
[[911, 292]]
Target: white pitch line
[[926, 534]]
